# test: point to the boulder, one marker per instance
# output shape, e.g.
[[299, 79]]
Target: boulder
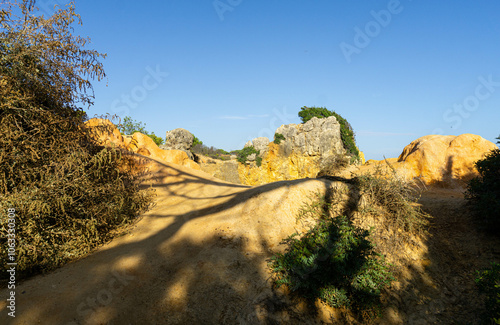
[[444, 159], [316, 137], [261, 144], [179, 139], [105, 132]]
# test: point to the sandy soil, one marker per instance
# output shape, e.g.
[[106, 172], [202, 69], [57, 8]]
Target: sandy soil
[[200, 257]]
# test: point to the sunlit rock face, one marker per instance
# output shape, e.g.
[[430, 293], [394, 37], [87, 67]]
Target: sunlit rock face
[[107, 133]]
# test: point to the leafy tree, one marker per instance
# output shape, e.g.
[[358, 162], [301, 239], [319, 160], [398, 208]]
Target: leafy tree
[[346, 131], [68, 192], [129, 127]]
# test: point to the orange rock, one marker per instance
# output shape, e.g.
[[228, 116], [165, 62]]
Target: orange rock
[[108, 134], [105, 132], [444, 159]]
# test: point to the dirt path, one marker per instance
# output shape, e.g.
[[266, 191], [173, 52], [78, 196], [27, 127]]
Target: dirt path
[[200, 257], [442, 288]]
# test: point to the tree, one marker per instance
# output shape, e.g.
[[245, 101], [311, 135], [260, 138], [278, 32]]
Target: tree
[[68, 192], [129, 127]]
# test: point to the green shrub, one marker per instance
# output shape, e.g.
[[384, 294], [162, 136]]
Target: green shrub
[[258, 161], [346, 131], [278, 137], [196, 141], [242, 155], [335, 262], [488, 282], [129, 126], [483, 192]]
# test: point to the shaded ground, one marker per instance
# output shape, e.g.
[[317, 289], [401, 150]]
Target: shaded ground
[[200, 257]]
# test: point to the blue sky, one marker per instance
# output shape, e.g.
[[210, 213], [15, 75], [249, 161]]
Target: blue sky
[[232, 70]]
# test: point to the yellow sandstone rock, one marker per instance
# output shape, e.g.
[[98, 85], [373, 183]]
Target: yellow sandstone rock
[[108, 134], [444, 159]]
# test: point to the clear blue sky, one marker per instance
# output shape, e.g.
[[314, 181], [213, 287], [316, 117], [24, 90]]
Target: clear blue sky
[[232, 70]]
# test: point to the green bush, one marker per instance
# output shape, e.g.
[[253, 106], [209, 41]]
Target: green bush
[[483, 192], [335, 262], [346, 131], [196, 141], [278, 137], [129, 127], [488, 282], [242, 155]]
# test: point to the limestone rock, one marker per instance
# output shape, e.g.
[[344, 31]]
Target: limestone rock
[[316, 137], [260, 144], [226, 170], [444, 159], [179, 139]]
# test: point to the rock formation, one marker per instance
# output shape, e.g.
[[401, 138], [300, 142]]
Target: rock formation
[[179, 139], [444, 160], [107, 134], [299, 155]]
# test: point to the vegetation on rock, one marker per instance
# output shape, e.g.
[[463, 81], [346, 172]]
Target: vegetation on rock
[[346, 131], [278, 137], [69, 194], [129, 127], [242, 155]]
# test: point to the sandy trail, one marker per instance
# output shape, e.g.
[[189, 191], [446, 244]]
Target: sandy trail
[[199, 256]]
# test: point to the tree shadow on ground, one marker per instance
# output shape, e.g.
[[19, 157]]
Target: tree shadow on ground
[[160, 273]]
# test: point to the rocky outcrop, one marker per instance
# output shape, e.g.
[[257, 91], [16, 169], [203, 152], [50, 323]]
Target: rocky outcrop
[[108, 134], [444, 159], [179, 139], [299, 155], [316, 137]]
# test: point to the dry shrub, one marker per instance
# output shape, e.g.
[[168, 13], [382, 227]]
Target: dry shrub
[[69, 193], [332, 165]]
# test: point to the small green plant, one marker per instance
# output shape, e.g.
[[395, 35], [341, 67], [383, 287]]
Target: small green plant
[[258, 161], [196, 141], [483, 192], [346, 131], [130, 126], [242, 155], [335, 262], [278, 137], [488, 282]]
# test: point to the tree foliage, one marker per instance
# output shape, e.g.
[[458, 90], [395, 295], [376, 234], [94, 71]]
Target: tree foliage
[[68, 192], [129, 126]]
